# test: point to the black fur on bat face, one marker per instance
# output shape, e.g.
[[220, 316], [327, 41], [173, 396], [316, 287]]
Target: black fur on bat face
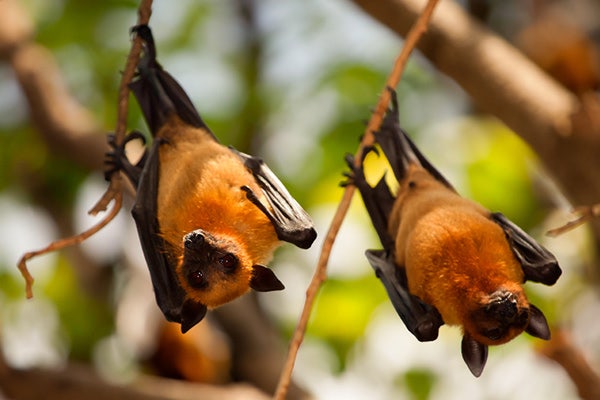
[[212, 269], [501, 317]]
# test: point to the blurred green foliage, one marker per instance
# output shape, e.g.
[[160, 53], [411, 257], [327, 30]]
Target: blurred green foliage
[[90, 41]]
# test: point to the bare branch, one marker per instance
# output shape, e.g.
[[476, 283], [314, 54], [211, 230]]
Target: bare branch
[[415, 33], [76, 382], [502, 81], [66, 126], [562, 350]]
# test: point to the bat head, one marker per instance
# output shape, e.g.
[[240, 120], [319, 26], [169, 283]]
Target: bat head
[[216, 269], [505, 315], [500, 317]]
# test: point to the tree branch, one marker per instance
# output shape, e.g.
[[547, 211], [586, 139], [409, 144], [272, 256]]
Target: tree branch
[[562, 350], [502, 81], [75, 382], [416, 32], [66, 127]]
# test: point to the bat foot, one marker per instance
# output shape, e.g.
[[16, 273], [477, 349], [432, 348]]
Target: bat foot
[[116, 159], [356, 173]]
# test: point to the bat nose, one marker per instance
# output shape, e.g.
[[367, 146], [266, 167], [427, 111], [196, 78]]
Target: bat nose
[[503, 305], [193, 239]]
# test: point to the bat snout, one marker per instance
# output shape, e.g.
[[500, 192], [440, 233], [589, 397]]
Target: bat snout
[[193, 240], [502, 318], [503, 305]]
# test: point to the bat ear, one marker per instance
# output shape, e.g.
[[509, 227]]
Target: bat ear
[[191, 313], [538, 326], [474, 353], [264, 280]]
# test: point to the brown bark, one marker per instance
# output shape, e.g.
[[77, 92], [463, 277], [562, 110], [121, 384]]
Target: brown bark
[[64, 124], [502, 81], [562, 350], [75, 382]]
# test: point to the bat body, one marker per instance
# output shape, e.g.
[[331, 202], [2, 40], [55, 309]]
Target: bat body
[[208, 217], [447, 259], [208, 198], [470, 258]]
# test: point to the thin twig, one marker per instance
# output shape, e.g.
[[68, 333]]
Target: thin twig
[[114, 191], [585, 215], [62, 243], [417, 30]]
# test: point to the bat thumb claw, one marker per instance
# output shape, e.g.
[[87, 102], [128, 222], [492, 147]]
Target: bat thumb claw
[[427, 331]]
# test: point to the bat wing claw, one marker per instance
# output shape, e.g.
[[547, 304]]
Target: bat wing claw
[[291, 222]]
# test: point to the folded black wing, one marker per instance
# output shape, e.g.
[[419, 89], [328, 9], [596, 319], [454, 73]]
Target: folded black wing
[[421, 319], [399, 149], [169, 294], [291, 222], [539, 265], [159, 95]]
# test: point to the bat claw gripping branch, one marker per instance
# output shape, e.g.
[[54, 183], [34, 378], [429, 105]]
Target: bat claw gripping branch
[[116, 159]]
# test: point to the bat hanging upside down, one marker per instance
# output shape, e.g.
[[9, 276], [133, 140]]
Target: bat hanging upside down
[[208, 216], [447, 259]]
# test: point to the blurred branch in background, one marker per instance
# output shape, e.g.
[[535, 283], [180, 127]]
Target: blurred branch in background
[[69, 130], [562, 350], [76, 382], [258, 350], [502, 81], [66, 127]]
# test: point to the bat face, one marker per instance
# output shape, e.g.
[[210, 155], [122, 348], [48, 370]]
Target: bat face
[[215, 270], [501, 317]]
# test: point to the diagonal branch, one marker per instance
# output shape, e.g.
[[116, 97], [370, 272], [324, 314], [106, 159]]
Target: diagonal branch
[[419, 28], [114, 191], [502, 81]]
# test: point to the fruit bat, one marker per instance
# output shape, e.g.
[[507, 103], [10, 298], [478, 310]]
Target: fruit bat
[[447, 259], [208, 216]]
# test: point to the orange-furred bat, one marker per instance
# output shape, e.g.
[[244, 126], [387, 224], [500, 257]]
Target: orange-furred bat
[[447, 259], [208, 216]]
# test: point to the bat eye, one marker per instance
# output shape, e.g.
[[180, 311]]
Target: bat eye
[[228, 261], [197, 279]]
